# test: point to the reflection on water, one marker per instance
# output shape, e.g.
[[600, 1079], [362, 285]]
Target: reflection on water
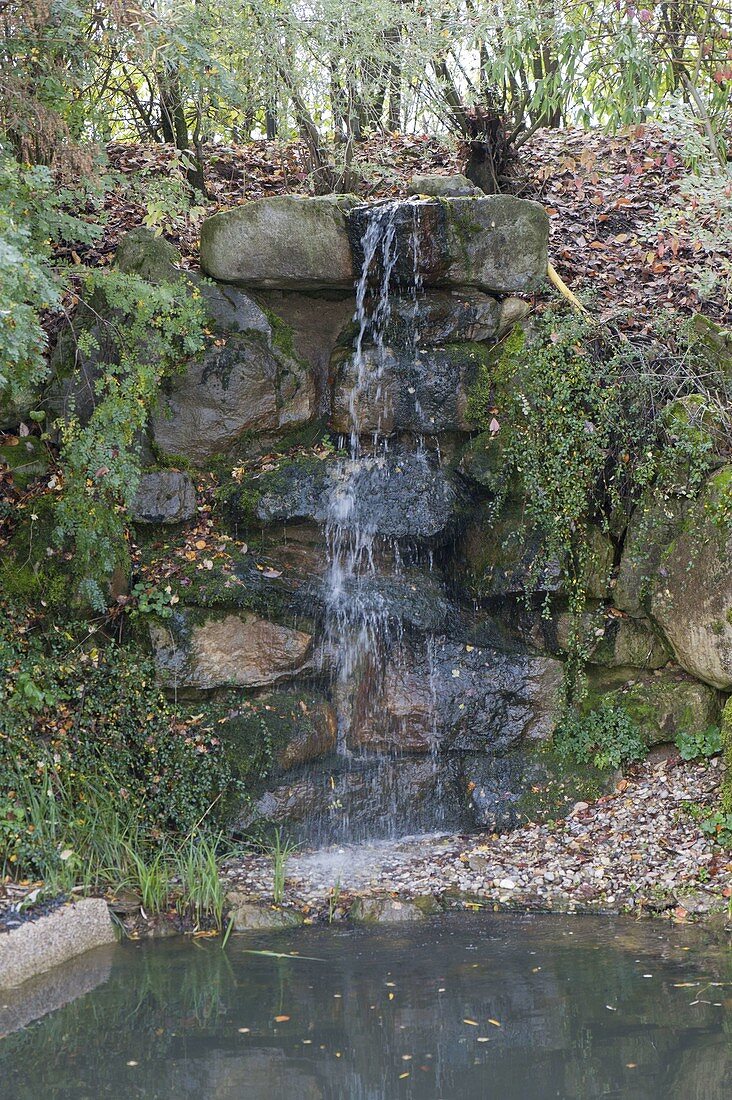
[[484, 1006]]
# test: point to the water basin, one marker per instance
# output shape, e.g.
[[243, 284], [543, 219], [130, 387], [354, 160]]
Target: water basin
[[459, 1006]]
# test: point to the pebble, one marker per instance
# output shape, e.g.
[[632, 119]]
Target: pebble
[[637, 850]]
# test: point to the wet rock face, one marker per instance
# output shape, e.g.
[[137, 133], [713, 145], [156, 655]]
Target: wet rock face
[[455, 697], [199, 653], [164, 496], [439, 317], [286, 242], [394, 496], [423, 391]]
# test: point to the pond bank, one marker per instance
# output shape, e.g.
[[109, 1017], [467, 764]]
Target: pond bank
[[638, 850]]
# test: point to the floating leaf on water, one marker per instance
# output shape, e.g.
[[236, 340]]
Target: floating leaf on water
[[282, 955]]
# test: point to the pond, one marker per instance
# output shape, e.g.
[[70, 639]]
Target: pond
[[459, 1006]]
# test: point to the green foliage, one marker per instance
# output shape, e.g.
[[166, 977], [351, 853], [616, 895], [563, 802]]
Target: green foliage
[[196, 866], [279, 849], [149, 330], [718, 826], [88, 732], [606, 737], [700, 745], [581, 435], [151, 599], [33, 213]]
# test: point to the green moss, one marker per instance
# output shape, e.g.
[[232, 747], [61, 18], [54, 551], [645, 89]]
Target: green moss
[[27, 460], [283, 335], [562, 783], [494, 375]]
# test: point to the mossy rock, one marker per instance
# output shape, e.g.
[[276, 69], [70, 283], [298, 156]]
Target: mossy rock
[[661, 704], [273, 732], [717, 341], [285, 242], [654, 524], [153, 258], [690, 592], [504, 557], [27, 460]]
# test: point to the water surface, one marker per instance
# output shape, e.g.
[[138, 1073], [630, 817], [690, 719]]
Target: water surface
[[476, 1006]]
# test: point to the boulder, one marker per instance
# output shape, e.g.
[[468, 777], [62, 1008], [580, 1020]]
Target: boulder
[[513, 312], [497, 243], [388, 390], [392, 910], [250, 915], [690, 592], [242, 383], [446, 187], [196, 652], [153, 258], [455, 697], [164, 496], [288, 242]]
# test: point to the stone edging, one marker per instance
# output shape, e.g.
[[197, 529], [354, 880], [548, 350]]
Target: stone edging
[[37, 946]]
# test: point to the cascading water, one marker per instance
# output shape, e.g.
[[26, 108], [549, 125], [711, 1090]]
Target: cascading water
[[363, 633]]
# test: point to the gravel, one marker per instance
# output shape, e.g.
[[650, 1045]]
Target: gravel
[[638, 850]]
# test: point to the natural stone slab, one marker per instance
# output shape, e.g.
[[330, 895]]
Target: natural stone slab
[[164, 496], [392, 910], [447, 187], [252, 916], [288, 241], [230, 651], [38, 945]]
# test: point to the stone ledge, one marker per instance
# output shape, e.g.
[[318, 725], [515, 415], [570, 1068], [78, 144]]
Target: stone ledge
[[38, 945]]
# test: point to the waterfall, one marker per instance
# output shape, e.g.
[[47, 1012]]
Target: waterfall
[[364, 637]]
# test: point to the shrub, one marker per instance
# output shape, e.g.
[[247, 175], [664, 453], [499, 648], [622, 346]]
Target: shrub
[[87, 732], [606, 737]]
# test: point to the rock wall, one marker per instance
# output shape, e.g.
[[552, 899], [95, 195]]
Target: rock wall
[[465, 677]]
